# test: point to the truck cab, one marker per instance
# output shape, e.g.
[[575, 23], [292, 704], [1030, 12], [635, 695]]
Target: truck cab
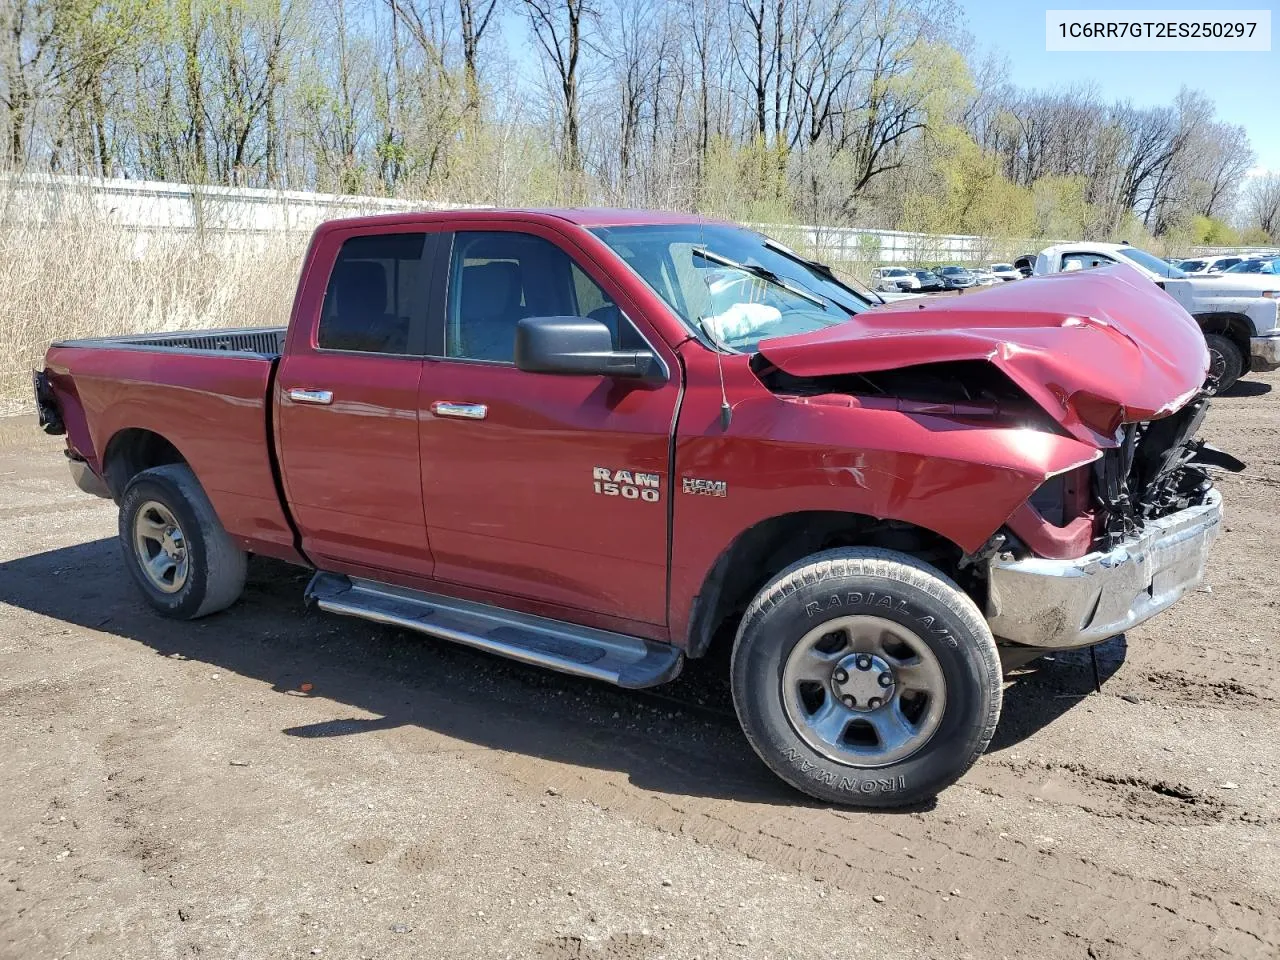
[[608, 442]]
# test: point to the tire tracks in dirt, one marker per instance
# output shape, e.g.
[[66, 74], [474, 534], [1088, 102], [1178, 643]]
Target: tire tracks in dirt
[[1026, 890]]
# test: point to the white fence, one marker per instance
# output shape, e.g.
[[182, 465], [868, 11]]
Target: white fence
[[154, 209], [249, 216]]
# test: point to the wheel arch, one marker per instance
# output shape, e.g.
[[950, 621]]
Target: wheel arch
[[132, 450], [769, 546], [1236, 327]]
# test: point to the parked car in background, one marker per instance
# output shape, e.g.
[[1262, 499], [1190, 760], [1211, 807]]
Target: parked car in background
[[984, 277], [955, 277], [894, 279], [1025, 265], [1236, 311], [572, 438], [930, 282], [1208, 264], [1267, 265], [1006, 271]]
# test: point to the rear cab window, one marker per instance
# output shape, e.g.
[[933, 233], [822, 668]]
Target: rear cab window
[[376, 295]]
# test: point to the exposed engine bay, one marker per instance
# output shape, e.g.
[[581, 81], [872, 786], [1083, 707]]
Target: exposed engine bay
[[970, 388], [1159, 468]]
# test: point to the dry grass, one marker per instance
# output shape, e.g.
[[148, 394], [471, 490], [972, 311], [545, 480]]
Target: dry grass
[[89, 278]]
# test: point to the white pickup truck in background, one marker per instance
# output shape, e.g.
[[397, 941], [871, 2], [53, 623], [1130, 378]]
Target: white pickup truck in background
[[1236, 311]]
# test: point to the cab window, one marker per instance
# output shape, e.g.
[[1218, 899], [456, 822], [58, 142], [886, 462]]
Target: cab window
[[376, 292], [1084, 261], [498, 278]]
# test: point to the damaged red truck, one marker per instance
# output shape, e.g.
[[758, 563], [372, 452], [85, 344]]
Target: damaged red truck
[[607, 441]]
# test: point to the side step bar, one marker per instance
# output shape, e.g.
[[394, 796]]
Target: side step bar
[[585, 652]]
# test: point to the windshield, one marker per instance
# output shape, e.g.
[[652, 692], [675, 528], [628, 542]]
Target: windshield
[[1255, 266], [1002, 267], [1191, 265], [740, 284], [1150, 261], [953, 271]]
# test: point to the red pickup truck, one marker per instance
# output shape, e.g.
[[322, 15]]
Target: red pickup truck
[[606, 441]]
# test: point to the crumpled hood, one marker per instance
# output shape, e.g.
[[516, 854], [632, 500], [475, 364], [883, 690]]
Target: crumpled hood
[[1095, 348]]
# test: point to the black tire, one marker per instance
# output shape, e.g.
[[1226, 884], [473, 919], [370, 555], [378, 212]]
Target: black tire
[[1226, 362], [891, 586], [215, 567]]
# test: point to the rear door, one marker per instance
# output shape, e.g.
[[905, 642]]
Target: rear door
[[347, 400], [549, 488]]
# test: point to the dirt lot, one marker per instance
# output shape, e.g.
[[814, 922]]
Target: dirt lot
[[175, 790]]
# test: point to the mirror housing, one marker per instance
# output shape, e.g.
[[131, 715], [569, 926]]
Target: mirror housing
[[582, 346]]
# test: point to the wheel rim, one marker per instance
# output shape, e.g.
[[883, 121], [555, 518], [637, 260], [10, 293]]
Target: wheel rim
[[1217, 365], [160, 547], [863, 691]]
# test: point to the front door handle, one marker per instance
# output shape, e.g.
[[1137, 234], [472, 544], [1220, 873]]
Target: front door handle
[[462, 411], [299, 395]]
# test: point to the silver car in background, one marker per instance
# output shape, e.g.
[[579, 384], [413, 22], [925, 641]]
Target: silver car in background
[[894, 279], [1200, 265]]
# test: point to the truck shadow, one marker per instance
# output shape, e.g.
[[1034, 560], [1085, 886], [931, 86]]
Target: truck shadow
[[681, 739], [1247, 388]]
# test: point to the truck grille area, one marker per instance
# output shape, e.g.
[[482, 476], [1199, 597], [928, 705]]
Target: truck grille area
[[1158, 468]]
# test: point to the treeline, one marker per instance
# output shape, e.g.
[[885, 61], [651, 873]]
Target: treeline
[[865, 112]]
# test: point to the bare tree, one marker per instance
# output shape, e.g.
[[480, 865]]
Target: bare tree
[[1263, 203], [836, 110], [558, 27], [474, 19]]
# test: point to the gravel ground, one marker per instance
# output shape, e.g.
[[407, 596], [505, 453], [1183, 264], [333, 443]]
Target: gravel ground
[[273, 782]]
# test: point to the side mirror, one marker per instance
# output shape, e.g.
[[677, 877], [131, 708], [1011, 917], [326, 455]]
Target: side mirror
[[579, 345]]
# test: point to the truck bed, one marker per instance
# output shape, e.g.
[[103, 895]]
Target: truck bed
[[207, 393], [266, 342]]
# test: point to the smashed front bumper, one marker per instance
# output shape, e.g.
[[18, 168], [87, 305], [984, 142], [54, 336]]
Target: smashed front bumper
[[1060, 604], [1264, 353]]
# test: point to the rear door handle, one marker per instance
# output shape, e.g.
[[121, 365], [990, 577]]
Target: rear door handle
[[299, 395], [462, 411]]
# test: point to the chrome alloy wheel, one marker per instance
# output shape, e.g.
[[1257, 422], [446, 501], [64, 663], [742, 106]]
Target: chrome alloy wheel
[[160, 547], [863, 691]]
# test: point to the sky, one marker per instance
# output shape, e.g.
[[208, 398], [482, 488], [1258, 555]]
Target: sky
[[1245, 86]]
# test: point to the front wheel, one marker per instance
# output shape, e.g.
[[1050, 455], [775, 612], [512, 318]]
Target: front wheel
[[1226, 361], [866, 677]]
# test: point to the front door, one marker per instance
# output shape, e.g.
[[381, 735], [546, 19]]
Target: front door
[[549, 488], [347, 404]]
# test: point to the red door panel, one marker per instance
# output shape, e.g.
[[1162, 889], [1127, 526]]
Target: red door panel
[[512, 503], [347, 398], [351, 468]]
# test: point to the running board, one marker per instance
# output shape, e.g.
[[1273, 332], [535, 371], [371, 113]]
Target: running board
[[583, 651]]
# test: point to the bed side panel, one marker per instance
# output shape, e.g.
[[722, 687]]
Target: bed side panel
[[212, 407]]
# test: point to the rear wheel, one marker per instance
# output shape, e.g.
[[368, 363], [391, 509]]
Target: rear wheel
[[1226, 361], [866, 677], [175, 548]]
